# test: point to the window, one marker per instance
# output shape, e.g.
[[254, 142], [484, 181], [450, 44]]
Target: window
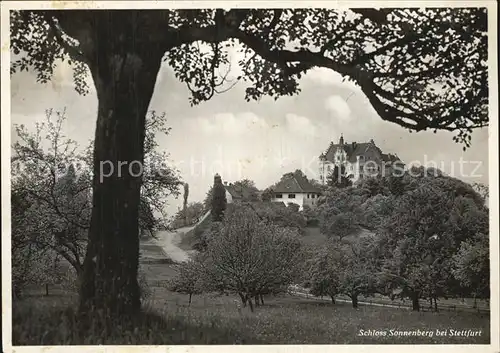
[[279, 196], [308, 195], [291, 196], [329, 168], [313, 196]]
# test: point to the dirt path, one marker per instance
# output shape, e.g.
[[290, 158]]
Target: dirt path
[[169, 241]]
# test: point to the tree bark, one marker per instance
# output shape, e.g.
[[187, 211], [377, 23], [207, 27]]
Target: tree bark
[[243, 299], [190, 297], [250, 303], [124, 78], [333, 299], [415, 301], [261, 299], [47, 289], [354, 299], [435, 305]]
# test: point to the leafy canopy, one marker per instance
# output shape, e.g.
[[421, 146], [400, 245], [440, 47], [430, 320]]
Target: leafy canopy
[[419, 68]]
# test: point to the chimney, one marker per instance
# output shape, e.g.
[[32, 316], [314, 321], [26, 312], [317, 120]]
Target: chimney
[[341, 142], [225, 183], [372, 142], [353, 145]]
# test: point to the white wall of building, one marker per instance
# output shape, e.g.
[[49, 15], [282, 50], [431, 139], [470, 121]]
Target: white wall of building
[[300, 199]]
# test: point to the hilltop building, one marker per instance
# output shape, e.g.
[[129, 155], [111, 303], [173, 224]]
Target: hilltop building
[[359, 160]]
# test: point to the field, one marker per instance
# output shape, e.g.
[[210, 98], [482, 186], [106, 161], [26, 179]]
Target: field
[[214, 319]]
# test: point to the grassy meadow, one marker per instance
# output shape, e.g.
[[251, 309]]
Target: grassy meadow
[[213, 319]]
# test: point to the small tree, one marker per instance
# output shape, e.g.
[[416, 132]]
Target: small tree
[[358, 268], [338, 225], [248, 190], [285, 217], [471, 266], [250, 257], [338, 177], [189, 279], [267, 195], [51, 185], [323, 273], [185, 203], [194, 211]]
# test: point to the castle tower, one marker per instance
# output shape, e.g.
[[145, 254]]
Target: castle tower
[[341, 142]]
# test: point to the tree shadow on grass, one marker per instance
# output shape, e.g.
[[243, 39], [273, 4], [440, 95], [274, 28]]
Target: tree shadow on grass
[[62, 326]]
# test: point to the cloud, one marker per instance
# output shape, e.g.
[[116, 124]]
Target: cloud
[[329, 77], [300, 125], [231, 124], [339, 107]]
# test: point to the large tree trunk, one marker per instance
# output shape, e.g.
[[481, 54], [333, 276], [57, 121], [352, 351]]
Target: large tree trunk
[[124, 76]]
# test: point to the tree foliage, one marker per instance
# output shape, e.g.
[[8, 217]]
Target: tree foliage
[[429, 242], [323, 273], [426, 229], [471, 266], [420, 68], [219, 200], [51, 192], [192, 215], [189, 278], [338, 177], [279, 215], [250, 257]]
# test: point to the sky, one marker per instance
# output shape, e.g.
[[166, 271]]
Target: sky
[[258, 140]]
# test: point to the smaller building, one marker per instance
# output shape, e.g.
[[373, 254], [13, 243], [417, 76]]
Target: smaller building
[[238, 193], [295, 189]]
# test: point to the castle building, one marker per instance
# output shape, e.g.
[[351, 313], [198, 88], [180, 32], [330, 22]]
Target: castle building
[[359, 160]]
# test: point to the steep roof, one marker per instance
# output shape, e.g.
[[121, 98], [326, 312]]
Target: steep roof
[[354, 149], [294, 184], [239, 192]]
